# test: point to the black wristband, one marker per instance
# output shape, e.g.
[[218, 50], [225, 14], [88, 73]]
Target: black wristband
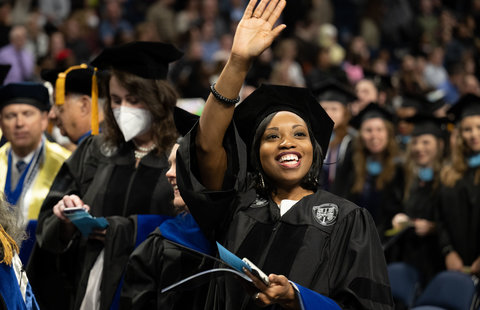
[[223, 99]]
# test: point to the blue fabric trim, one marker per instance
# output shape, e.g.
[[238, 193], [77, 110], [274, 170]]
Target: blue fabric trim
[[147, 224], [82, 137], [184, 230], [425, 174], [30, 300], [311, 300], [474, 161], [9, 289], [405, 139], [13, 196], [27, 245], [374, 167]]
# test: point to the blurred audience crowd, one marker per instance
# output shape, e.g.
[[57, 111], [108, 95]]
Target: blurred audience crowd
[[405, 47], [414, 59]]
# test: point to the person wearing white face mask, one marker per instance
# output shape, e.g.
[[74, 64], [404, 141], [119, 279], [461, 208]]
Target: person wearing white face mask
[[132, 121], [119, 175]]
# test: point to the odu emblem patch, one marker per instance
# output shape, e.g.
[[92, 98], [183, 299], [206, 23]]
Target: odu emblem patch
[[325, 214]]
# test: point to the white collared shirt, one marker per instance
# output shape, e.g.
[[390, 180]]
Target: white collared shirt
[[285, 205]]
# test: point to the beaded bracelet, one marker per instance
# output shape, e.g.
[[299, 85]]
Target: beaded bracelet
[[223, 99]]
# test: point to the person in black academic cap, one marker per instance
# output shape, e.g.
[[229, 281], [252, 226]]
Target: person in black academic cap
[[75, 111], [28, 161], [410, 106], [249, 175], [169, 254], [119, 175], [335, 97], [376, 182], [459, 205], [424, 159]]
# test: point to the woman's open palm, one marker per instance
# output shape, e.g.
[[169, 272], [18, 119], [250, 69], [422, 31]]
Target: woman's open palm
[[255, 31]]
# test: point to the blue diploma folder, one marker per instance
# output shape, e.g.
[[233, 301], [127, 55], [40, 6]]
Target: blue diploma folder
[[86, 223]]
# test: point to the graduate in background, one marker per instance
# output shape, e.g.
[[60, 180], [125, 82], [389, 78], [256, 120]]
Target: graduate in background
[[459, 204], [118, 174], [277, 218], [376, 181], [169, 254], [335, 97], [424, 159], [28, 162]]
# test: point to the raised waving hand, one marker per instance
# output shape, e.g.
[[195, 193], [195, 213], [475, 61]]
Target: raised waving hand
[[256, 31]]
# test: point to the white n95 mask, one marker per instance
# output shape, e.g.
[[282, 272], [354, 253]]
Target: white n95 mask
[[132, 121]]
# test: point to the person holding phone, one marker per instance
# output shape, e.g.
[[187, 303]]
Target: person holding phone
[[249, 175], [118, 174]]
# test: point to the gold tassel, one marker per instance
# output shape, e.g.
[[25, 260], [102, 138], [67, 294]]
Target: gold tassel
[[9, 247], [94, 121], [60, 83]]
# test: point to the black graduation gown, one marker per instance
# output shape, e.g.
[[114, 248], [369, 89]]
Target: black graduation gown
[[422, 252], [338, 255], [382, 204], [156, 264], [109, 183], [344, 168], [459, 216]]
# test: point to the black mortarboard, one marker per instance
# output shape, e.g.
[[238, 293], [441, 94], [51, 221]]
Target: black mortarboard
[[268, 99], [332, 90], [184, 120], [78, 80], [412, 101], [145, 59], [27, 93], [372, 110], [467, 105], [382, 82], [427, 124], [4, 68], [434, 101]]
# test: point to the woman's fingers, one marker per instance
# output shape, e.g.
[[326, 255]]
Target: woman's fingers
[[275, 9], [249, 9], [259, 10]]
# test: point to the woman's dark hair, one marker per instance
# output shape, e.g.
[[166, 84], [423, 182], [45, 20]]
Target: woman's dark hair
[[158, 96], [266, 187]]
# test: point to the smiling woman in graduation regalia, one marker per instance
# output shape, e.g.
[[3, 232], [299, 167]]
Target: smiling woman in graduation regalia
[[278, 219], [376, 180], [459, 207], [119, 175]]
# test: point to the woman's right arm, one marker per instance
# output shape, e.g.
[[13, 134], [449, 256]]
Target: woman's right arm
[[254, 34]]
